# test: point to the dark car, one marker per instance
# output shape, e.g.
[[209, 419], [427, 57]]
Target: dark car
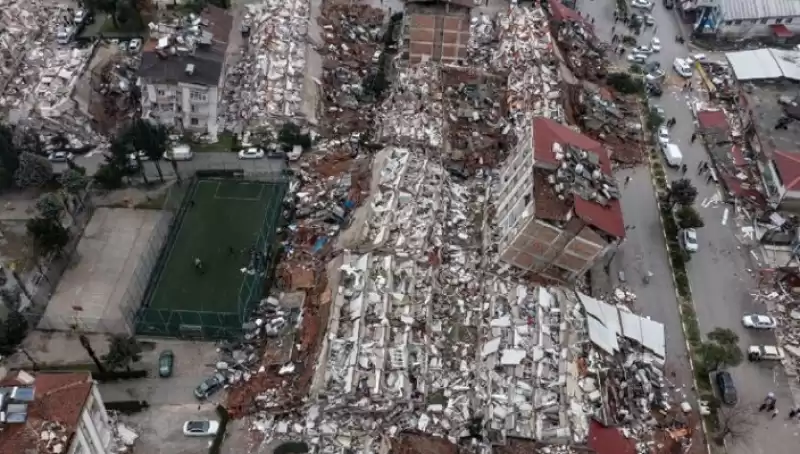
[[166, 361], [726, 388], [209, 386]]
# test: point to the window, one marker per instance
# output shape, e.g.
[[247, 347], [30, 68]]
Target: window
[[779, 20], [764, 21], [728, 22], [788, 20], [161, 92], [193, 109], [194, 121], [196, 95], [737, 22]]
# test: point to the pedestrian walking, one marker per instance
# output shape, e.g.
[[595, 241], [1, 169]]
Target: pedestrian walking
[[700, 166], [763, 407], [627, 180], [774, 413], [694, 137], [593, 21], [709, 178], [793, 412], [613, 28], [683, 169]]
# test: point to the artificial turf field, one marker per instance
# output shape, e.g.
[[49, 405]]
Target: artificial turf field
[[225, 214]]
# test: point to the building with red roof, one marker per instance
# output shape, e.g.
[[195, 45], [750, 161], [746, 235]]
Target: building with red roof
[[559, 211], [52, 413]]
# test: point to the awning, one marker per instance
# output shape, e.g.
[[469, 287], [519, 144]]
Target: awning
[[781, 31]]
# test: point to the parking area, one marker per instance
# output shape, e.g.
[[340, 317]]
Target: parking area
[[171, 400]]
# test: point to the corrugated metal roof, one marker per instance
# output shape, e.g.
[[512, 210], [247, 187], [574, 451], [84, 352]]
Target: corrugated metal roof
[[765, 64], [789, 62], [749, 9]]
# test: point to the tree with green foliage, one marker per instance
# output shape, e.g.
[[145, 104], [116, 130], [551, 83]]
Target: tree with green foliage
[[12, 332], [682, 192], [48, 234], [34, 171], [122, 351], [151, 139], [654, 120], [689, 218], [291, 135], [720, 350], [625, 83], [74, 184], [49, 206]]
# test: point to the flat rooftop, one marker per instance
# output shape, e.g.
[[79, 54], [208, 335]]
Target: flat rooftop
[[92, 293], [437, 37], [766, 110]]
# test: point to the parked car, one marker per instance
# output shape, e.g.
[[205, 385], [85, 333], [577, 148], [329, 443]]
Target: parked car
[[765, 353], [663, 135], [653, 89], [669, 4], [135, 45], [642, 4], [649, 20], [166, 361], [688, 240], [644, 50], [759, 321], [696, 57], [637, 58], [682, 67], [200, 428], [655, 76], [726, 388], [251, 153], [82, 17], [60, 156], [655, 44], [209, 386]]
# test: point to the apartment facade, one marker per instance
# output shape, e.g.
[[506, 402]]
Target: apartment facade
[[183, 72], [558, 212], [67, 406]]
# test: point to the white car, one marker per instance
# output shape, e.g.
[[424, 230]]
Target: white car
[[644, 50], [135, 45], [141, 154], [251, 153], [682, 67], [655, 76], [655, 44], [200, 428], [663, 135], [642, 4], [637, 58], [759, 321], [649, 20], [688, 240], [696, 57], [60, 156]]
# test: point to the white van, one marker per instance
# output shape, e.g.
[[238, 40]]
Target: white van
[[179, 153], [672, 154]]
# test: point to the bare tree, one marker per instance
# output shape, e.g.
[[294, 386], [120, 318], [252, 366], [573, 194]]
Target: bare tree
[[735, 423]]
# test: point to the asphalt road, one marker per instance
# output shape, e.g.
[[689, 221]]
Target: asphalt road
[[719, 272], [200, 161]]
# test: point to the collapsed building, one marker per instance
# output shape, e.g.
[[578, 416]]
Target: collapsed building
[[558, 209]]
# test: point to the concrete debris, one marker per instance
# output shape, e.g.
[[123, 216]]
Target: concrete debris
[[412, 113], [584, 53], [264, 87]]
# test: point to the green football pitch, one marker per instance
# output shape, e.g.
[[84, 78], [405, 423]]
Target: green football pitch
[[223, 221]]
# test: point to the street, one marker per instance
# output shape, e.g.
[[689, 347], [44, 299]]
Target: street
[[201, 161], [719, 272]]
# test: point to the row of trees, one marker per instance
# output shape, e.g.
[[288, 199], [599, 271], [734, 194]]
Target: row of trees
[[681, 197], [140, 141], [122, 352]]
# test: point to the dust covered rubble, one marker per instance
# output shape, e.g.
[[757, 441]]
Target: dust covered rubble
[[525, 52], [265, 85], [412, 113]]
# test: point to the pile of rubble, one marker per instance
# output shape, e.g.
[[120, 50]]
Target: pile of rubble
[[352, 34], [525, 53], [412, 113], [583, 52], [785, 308], [266, 85]]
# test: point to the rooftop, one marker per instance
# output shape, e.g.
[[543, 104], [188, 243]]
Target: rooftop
[[579, 171], [191, 51], [58, 401], [748, 9], [766, 110], [765, 63], [437, 37], [713, 119], [788, 165]]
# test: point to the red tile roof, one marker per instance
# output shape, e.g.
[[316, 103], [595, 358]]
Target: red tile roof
[[738, 156], [546, 132], [58, 398], [788, 165], [609, 440], [562, 12], [712, 119]]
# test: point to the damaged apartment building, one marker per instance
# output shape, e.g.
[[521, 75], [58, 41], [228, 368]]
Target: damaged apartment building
[[183, 71], [558, 208]]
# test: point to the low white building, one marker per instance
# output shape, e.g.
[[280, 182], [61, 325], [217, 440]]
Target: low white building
[[183, 71], [750, 19], [55, 412]]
